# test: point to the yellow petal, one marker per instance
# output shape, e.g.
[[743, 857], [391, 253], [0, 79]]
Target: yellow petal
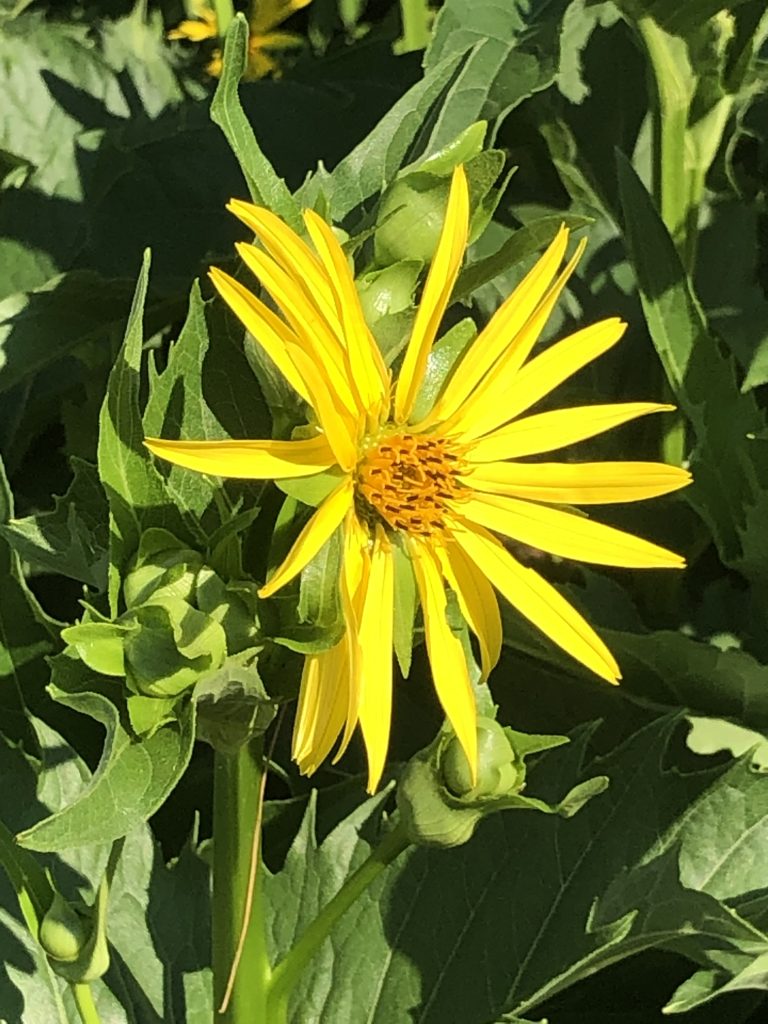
[[566, 534], [268, 330], [195, 31], [376, 634], [317, 531], [311, 329], [578, 483], [322, 707], [446, 655], [276, 41], [482, 408], [355, 571], [477, 602], [549, 431], [436, 295], [537, 600], [247, 460], [339, 426], [292, 253], [366, 366], [268, 13], [504, 332], [543, 374]]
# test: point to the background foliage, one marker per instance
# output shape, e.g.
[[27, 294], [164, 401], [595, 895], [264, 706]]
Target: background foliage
[[111, 143]]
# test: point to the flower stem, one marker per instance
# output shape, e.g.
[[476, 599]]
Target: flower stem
[[85, 1004], [287, 973], [237, 799]]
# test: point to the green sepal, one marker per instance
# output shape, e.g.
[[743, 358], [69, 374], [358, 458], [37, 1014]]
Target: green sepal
[[99, 645], [443, 358], [311, 490], [232, 704], [67, 928], [388, 291], [441, 804], [148, 714], [173, 646]]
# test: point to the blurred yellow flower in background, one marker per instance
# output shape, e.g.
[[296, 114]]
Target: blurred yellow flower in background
[[263, 42], [439, 486]]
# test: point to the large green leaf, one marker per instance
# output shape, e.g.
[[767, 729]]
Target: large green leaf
[[158, 921], [134, 776], [731, 493], [206, 392], [136, 492], [532, 904], [511, 52], [265, 185], [72, 539]]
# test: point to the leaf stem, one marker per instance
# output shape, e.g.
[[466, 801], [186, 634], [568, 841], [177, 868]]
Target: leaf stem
[[238, 923], [84, 1003], [288, 972]]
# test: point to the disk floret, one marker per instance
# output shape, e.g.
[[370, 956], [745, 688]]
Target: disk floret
[[405, 480]]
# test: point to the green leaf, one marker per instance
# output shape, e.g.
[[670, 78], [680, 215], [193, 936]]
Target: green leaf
[[205, 392], [137, 495], [443, 358], [521, 244], [265, 186], [621, 876], [26, 637], [134, 777], [511, 52], [232, 704], [72, 539], [406, 605], [159, 929], [730, 494], [375, 161]]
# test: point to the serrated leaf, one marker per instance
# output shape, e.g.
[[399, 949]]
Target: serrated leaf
[[72, 539], [511, 52], [205, 392], [159, 927], [135, 490], [730, 494], [265, 186], [134, 777], [444, 909]]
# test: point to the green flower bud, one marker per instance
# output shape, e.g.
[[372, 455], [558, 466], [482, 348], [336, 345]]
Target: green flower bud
[[388, 291], [440, 803], [63, 932], [496, 771], [411, 218]]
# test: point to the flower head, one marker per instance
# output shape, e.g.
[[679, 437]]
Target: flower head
[[441, 486], [263, 41]]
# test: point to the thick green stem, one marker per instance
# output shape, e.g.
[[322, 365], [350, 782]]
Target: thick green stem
[[290, 968], [85, 1004], [237, 798]]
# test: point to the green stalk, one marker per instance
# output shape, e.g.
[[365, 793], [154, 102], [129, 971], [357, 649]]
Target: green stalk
[[288, 972], [85, 1004], [237, 799]]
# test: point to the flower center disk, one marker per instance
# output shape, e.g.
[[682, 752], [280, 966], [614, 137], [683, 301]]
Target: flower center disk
[[406, 481]]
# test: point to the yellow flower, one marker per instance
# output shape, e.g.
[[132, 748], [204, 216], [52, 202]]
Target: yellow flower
[[440, 486], [265, 16]]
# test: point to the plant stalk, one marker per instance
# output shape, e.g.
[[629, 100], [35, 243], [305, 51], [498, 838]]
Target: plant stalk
[[288, 972], [237, 888], [85, 1004]]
